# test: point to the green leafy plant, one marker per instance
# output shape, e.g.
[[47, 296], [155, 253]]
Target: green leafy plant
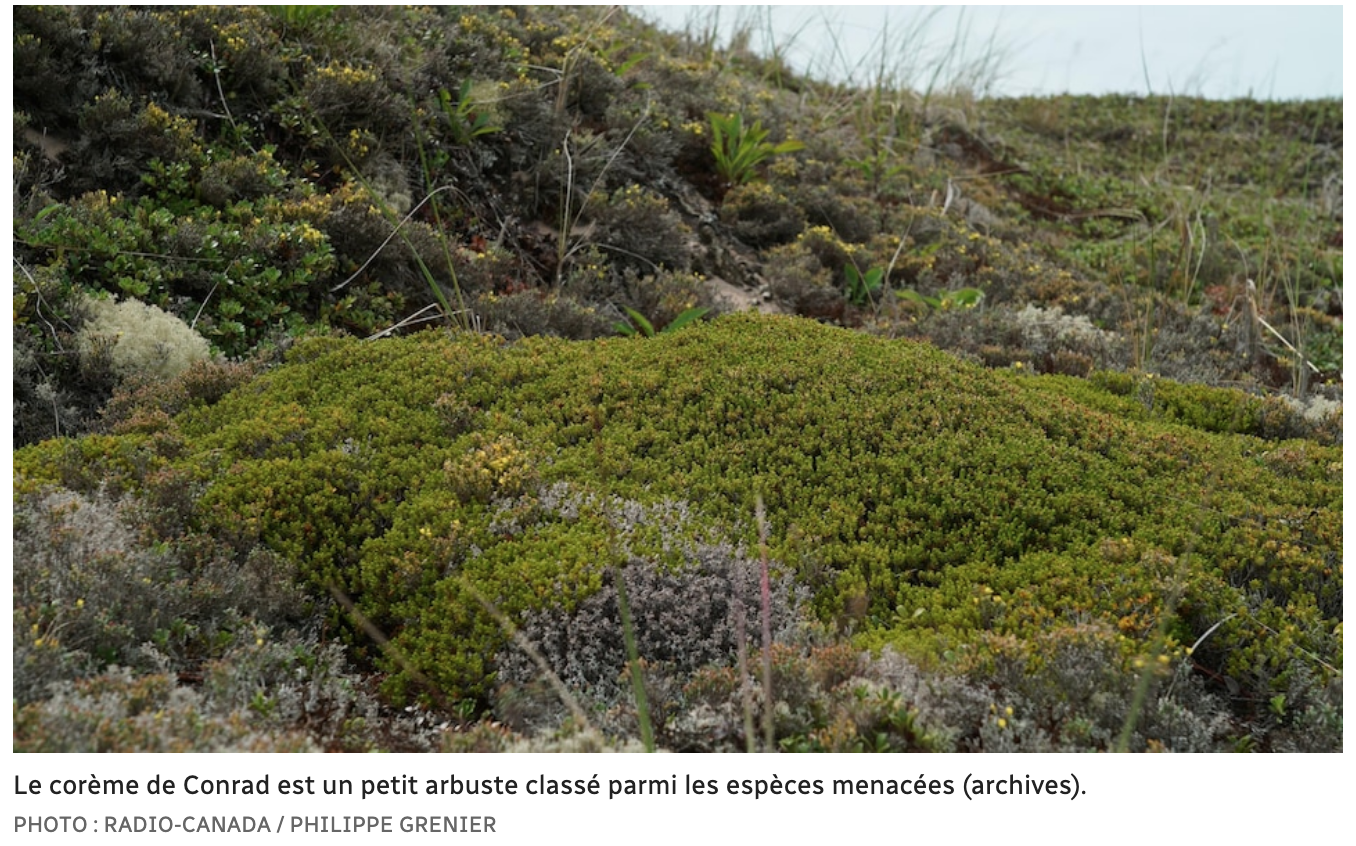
[[240, 270], [620, 69], [861, 286], [467, 122], [639, 325], [738, 149], [300, 17], [946, 300]]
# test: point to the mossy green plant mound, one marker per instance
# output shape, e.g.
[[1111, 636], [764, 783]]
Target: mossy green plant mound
[[945, 509]]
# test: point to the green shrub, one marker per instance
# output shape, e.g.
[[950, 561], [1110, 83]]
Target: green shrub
[[922, 502], [1226, 410], [243, 275]]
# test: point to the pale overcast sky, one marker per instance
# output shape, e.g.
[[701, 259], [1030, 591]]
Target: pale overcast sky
[[1280, 52]]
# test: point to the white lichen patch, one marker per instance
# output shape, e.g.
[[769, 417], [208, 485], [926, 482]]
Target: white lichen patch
[[142, 341]]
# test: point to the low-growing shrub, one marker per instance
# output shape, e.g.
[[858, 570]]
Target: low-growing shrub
[[265, 695], [122, 712], [760, 216], [238, 275], [90, 591], [526, 313], [922, 502], [640, 231], [683, 613]]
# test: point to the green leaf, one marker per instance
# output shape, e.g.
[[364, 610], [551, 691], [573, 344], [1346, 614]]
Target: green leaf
[[689, 316], [963, 297], [646, 328], [915, 297], [47, 211], [631, 61], [737, 149]]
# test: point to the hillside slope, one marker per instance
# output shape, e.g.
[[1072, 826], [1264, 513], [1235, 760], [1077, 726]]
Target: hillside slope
[[329, 434], [278, 170]]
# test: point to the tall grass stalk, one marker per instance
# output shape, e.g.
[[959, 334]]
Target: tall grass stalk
[[461, 313], [901, 57], [1300, 370], [742, 664], [1146, 676], [427, 171], [633, 665], [1194, 239], [571, 58], [765, 606], [389, 649], [568, 222], [778, 48], [1142, 328], [520, 640]]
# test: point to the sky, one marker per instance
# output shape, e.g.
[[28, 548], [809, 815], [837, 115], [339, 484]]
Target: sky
[[1222, 52]]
